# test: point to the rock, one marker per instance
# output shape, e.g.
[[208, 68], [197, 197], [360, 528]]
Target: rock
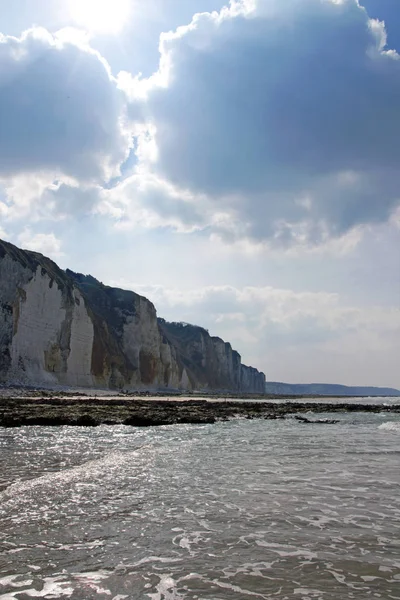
[[65, 328], [136, 412], [316, 421], [139, 421], [86, 421], [210, 361]]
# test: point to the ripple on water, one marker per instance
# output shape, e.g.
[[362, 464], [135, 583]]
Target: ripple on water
[[249, 509], [392, 426]]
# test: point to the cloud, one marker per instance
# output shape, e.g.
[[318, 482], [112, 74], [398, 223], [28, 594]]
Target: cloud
[[387, 11], [143, 200], [45, 243], [285, 114], [61, 111], [268, 122], [135, 49], [292, 336], [295, 316]]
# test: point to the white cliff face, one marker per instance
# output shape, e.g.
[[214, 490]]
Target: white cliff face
[[212, 362], [81, 345], [142, 345], [38, 317], [48, 342], [70, 329], [184, 382], [252, 380], [224, 363], [154, 360], [12, 275], [173, 375]]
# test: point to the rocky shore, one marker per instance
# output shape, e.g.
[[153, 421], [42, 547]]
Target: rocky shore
[[90, 411]]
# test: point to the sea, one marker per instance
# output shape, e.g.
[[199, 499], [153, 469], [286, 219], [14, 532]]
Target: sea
[[243, 509]]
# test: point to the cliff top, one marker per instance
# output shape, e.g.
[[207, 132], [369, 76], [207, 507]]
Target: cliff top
[[32, 260], [93, 288], [110, 308]]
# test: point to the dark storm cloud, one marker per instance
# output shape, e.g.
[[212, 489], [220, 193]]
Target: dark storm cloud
[[289, 114]]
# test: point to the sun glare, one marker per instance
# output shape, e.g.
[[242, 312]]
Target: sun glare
[[100, 16]]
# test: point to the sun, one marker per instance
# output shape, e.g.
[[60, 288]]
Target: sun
[[100, 16]]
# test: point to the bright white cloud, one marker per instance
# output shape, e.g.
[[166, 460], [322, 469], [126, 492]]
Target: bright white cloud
[[100, 16], [287, 333], [45, 243], [143, 200], [284, 114], [260, 128], [269, 134], [62, 112]]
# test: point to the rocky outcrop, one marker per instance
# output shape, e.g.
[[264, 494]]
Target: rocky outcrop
[[128, 350], [88, 411], [211, 361], [64, 328]]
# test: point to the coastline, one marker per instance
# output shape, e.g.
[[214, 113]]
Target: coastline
[[55, 409]]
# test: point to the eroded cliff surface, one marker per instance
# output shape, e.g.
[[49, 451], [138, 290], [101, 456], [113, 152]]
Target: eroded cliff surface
[[212, 361], [65, 328], [45, 331]]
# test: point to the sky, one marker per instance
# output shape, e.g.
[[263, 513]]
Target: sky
[[235, 162]]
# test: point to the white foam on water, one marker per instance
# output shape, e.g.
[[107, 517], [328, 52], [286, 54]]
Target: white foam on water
[[393, 426], [308, 594], [53, 587], [166, 589], [223, 585], [124, 568], [10, 580], [57, 587], [91, 581], [203, 523], [81, 545], [92, 469], [321, 521], [341, 578], [283, 553], [252, 569], [385, 569], [188, 539], [273, 509]]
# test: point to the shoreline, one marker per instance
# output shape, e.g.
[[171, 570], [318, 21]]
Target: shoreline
[[21, 391], [57, 410]]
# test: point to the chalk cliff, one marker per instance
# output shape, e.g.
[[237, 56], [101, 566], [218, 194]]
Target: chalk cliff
[[65, 328], [210, 360]]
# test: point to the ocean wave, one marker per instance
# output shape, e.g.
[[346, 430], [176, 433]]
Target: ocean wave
[[393, 426], [92, 469]]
